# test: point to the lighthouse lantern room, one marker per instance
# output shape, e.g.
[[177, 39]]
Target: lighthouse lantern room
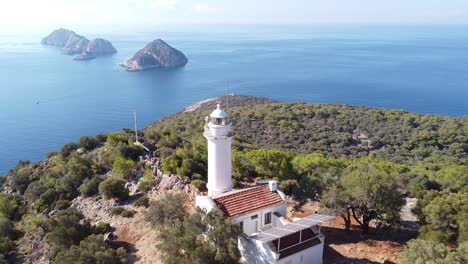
[[219, 135]]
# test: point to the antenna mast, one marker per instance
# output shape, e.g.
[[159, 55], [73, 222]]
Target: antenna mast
[[135, 119], [227, 96]]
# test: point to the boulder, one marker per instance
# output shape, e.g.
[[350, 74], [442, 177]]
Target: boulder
[[156, 54]]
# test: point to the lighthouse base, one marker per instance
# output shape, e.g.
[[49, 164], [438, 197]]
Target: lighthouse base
[[214, 191]]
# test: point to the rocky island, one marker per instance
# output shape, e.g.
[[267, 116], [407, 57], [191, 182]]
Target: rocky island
[[73, 44], [156, 54]]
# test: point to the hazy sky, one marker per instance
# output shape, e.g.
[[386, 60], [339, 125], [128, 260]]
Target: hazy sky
[[55, 13]]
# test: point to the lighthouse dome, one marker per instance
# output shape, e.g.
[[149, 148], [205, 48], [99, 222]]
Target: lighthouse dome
[[218, 112]]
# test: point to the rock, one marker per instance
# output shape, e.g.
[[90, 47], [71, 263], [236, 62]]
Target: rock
[[76, 44], [96, 47], [73, 43], [100, 47], [156, 54], [58, 37], [173, 182]]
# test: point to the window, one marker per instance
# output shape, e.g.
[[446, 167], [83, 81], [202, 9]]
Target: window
[[241, 224], [268, 218], [253, 217]]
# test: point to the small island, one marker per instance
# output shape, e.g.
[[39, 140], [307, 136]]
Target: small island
[[156, 54], [73, 44]]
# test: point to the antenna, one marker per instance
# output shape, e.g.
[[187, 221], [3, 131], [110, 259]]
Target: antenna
[[136, 131], [227, 96]]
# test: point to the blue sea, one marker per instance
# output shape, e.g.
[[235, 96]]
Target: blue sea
[[47, 99]]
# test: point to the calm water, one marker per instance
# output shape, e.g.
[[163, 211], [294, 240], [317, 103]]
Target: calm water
[[47, 99]]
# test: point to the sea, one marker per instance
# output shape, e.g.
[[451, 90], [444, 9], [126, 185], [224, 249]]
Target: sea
[[47, 99]]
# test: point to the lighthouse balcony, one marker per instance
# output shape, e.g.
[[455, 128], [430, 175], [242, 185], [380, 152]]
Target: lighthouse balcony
[[217, 131]]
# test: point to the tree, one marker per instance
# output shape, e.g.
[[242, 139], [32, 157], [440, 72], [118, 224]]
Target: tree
[[201, 238], [421, 252], [336, 201], [446, 217], [168, 210], [272, 162], [367, 193], [113, 187]]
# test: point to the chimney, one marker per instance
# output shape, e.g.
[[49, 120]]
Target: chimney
[[273, 186]]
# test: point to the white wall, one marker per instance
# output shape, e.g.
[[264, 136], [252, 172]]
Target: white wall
[[249, 224], [313, 255]]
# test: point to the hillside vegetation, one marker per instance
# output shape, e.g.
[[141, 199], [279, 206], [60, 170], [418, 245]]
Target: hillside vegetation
[[359, 162]]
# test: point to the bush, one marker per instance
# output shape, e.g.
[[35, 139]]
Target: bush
[[121, 211], [142, 201], [91, 250], [123, 167], [68, 149], [62, 204], [9, 206], [68, 228], [20, 180], [89, 187], [88, 143], [113, 188], [168, 210], [113, 139], [34, 191], [199, 184], [102, 228], [145, 186]]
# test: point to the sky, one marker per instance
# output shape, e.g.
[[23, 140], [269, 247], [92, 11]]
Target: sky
[[30, 14]]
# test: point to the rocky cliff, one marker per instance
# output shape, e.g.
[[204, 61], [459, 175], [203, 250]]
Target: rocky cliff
[[96, 47], [73, 43], [156, 54]]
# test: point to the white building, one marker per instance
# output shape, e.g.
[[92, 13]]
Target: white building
[[268, 237]]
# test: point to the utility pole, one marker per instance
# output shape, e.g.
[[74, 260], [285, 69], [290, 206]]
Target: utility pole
[[136, 131]]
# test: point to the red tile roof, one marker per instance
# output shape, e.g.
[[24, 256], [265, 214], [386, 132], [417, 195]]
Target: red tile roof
[[241, 202]]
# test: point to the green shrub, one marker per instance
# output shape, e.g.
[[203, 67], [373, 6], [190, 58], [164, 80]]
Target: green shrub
[[102, 228], [112, 188], [62, 204], [142, 201], [9, 206], [89, 187], [88, 143], [145, 186], [68, 149], [113, 139], [20, 180], [123, 167], [91, 250], [167, 210], [199, 184], [235, 183], [121, 211]]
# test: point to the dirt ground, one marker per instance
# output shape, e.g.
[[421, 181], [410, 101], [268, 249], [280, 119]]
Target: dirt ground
[[379, 246]]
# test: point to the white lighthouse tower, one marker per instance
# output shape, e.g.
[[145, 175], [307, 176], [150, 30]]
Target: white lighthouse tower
[[219, 135]]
